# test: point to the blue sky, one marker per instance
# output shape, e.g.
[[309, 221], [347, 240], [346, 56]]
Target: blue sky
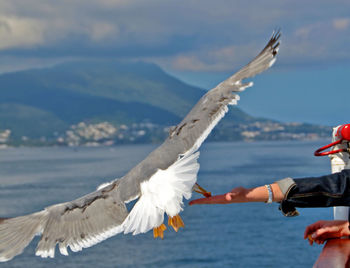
[[199, 41]]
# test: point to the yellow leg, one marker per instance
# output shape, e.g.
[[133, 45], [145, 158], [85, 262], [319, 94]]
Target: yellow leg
[[176, 222], [159, 231], [197, 188]]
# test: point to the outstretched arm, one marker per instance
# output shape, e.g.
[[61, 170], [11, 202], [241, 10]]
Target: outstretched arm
[[243, 195], [324, 191]]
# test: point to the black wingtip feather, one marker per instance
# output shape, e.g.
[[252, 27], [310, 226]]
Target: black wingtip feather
[[274, 43]]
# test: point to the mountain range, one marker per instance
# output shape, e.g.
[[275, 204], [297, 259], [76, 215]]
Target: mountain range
[[46, 102]]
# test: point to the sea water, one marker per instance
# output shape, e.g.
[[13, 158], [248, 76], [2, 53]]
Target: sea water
[[235, 235]]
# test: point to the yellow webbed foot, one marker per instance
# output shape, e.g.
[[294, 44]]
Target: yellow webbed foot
[[198, 189], [176, 222], [159, 231]]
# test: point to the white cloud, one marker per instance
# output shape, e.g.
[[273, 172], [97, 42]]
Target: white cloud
[[188, 63], [17, 63], [184, 34], [100, 31], [214, 59], [303, 32], [341, 23], [111, 3], [20, 32], [322, 41]]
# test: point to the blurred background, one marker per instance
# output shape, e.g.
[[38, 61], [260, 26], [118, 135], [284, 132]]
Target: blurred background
[[199, 42]]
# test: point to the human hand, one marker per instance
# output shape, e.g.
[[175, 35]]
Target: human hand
[[237, 195], [320, 231]]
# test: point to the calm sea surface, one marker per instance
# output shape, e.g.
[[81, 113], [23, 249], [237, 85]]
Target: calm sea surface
[[245, 235]]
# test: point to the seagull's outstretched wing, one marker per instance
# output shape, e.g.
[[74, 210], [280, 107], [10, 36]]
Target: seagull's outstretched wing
[[197, 125], [169, 172], [160, 181], [78, 224]]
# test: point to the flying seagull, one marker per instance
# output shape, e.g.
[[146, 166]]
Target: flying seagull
[[159, 182]]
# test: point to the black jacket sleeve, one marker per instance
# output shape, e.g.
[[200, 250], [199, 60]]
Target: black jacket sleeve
[[325, 191]]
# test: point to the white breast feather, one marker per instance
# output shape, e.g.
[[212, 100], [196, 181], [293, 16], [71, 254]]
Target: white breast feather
[[163, 192]]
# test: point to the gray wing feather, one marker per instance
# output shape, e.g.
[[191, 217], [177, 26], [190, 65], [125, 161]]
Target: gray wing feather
[[82, 223], [16, 234], [77, 224], [212, 106], [260, 63]]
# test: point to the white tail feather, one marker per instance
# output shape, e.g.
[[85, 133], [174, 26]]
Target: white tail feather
[[163, 192]]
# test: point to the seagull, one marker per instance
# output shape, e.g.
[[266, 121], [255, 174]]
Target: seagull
[[159, 183]]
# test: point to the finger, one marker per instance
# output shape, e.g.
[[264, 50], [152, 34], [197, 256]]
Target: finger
[[229, 196], [217, 199], [236, 195], [317, 241], [321, 235], [310, 240], [320, 241], [325, 232], [309, 230]]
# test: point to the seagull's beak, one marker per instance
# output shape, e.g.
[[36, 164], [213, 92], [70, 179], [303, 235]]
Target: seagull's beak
[[197, 188]]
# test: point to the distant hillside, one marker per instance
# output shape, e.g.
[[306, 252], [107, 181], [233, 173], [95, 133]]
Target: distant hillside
[[51, 103], [40, 102]]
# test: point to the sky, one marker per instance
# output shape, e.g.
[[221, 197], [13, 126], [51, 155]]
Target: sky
[[200, 42]]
